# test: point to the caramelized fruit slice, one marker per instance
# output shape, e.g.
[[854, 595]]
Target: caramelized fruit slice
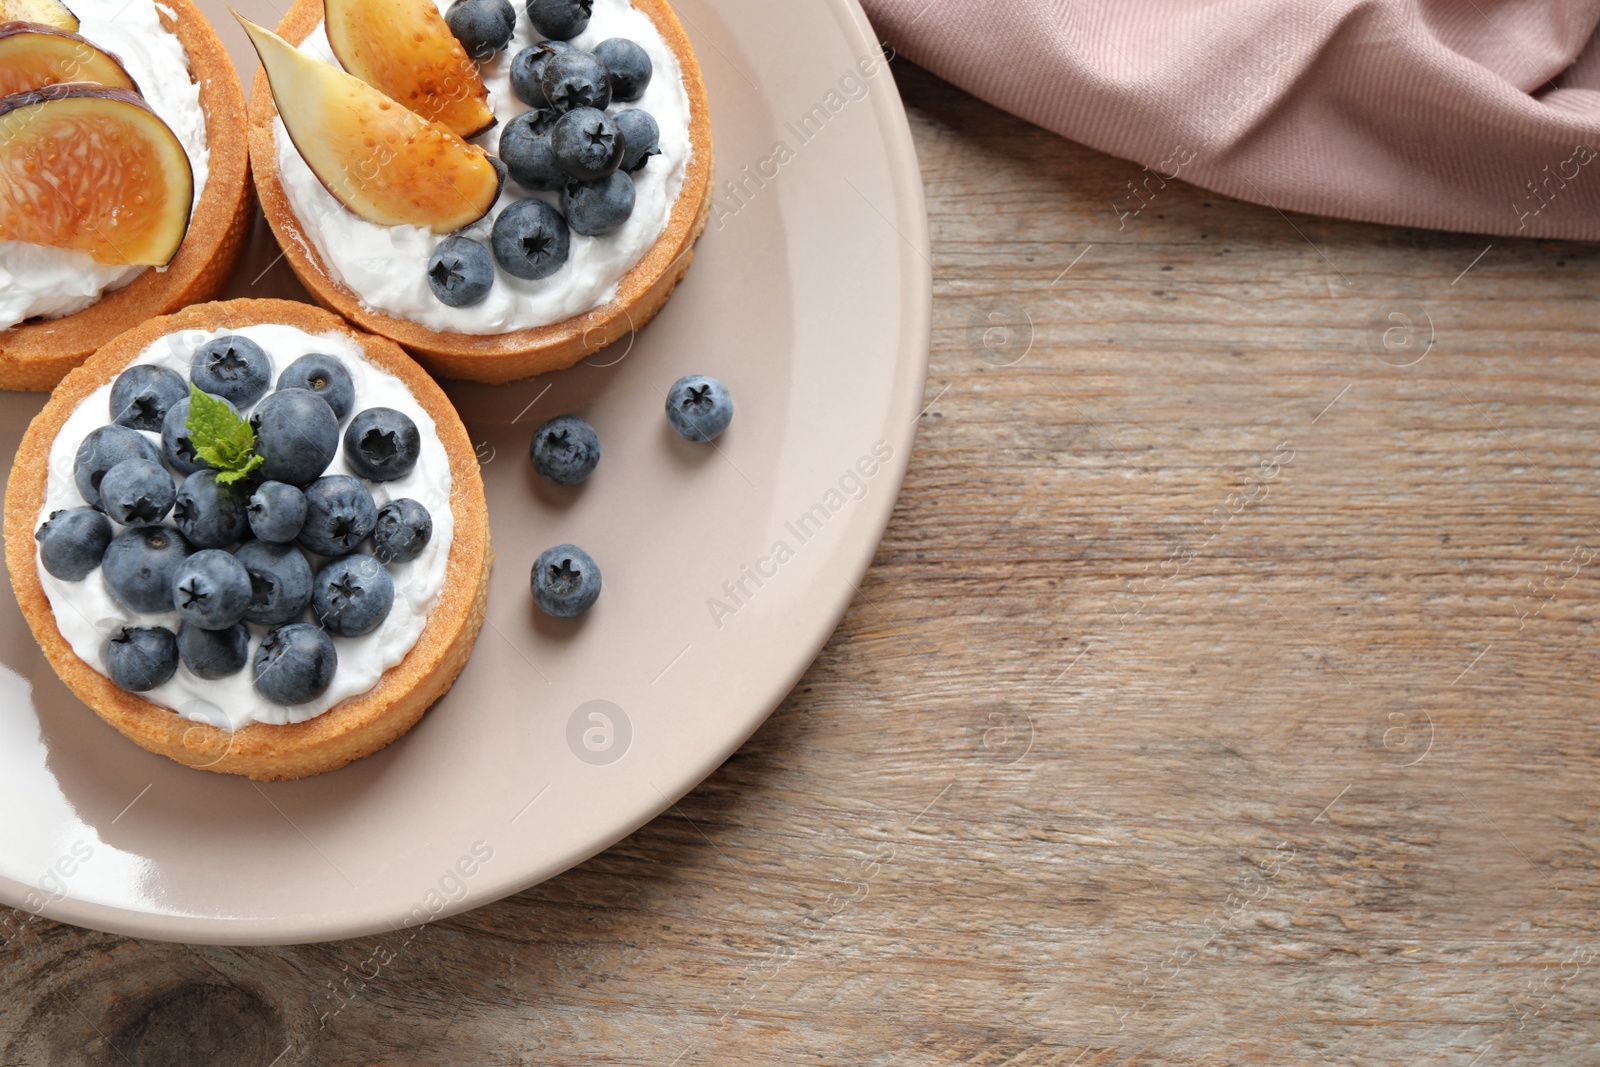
[[33, 56], [93, 169], [385, 163], [51, 13], [403, 49]]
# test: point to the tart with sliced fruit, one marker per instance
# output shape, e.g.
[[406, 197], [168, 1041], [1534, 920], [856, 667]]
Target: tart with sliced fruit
[[501, 189], [124, 188], [251, 538]]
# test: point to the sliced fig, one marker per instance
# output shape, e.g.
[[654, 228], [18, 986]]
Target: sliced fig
[[403, 49], [384, 162], [92, 168], [33, 56], [51, 13]]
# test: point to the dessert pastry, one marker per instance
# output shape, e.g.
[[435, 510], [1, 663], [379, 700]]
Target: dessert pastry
[[251, 538], [491, 252], [158, 180]]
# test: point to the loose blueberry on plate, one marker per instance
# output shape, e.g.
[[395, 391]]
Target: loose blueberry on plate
[[403, 531], [586, 143], [276, 512], [599, 207], [566, 581], [628, 66], [531, 240], [295, 663], [142, 657], [352, 595], [232, 367], [560, 20], [280, 581], [382, 444], [176, 447], [212, 654], [526, 151], [502, 172], [640, 136], [71, 542], [482, 26], [103, 448], [298, 433], [209, 513], [326, 377], [699, 407], [565, 449], [142, 394], [340, 515], [137, 492], [527, 71], [139, 565], [575, 79], [211, 589], [460, 272]]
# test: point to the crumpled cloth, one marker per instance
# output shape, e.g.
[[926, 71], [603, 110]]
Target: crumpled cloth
[[1475, 115]]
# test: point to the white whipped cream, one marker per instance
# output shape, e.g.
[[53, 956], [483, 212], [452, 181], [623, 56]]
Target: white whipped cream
[[386, 266], [88, 616], [52, 282]]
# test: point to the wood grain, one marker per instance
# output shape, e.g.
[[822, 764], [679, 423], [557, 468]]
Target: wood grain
[[1221, 694]]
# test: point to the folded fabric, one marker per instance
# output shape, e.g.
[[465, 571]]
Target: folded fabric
[[1478, 115]]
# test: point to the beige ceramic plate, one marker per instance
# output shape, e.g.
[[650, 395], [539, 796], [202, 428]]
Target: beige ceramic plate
[[725, 568]]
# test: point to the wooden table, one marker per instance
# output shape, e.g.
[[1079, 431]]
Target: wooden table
[[1222, 693]]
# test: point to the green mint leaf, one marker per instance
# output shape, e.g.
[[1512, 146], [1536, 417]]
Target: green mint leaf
[[221, 438]]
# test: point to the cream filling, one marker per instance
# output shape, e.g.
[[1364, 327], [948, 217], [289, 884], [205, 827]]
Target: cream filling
[[52, 282], [386, 266], [88, 616]]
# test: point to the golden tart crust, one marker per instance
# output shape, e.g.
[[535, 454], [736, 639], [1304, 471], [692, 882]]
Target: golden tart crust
[[354, 727], [497, 358], [36, 353]]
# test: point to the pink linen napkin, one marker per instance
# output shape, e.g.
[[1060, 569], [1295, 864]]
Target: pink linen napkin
[[1478, 115]]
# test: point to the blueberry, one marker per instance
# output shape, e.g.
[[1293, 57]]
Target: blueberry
[[628, 66], [139, 565], [72, 541], [640, 135], [297, 433], [142, 394], [530, 240], [232, 367], [460, 272], [137, 492], [339, 515], [102, 449], [382, 444], [586, 143], [280, 581], [502, 174], [214, 653], [295, 664], [211, 589], [352, 595], [527, 69], [276, 512], [403, 531], [575, 79], [526, 152], [141, 658], [325, 376], [210, 514], [560, 20], [566, 581], [698, 407], [565, 449], [599, 207], [482, 26], [176, 448]]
